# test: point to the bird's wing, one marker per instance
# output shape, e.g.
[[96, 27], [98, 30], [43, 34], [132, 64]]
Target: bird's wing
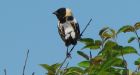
[[61, 32], [76, 28]]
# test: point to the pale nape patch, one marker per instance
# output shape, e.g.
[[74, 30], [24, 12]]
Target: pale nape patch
[[68, 12]]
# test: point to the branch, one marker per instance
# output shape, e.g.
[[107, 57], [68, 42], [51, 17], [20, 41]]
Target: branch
[[137, 38], [90, 55], [61, 65], [33, 73], [65, 59], [73, 47], [5, 72], [85, 27], [24, 67]]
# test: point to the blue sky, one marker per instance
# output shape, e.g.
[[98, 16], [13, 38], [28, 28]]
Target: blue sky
[[30, 24]]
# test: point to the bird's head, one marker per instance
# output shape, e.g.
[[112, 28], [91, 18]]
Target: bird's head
[[62, 13]]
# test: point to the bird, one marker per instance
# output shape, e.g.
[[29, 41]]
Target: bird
[[68, 27]]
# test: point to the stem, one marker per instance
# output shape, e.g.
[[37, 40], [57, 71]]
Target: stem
[[137, 37], [67, 65], [61, 65], [33, 73], [85, 27], [65, 59], [5, 72], [90, 55], [24, 67]]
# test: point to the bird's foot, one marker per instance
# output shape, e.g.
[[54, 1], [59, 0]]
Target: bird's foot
[[68, 55]]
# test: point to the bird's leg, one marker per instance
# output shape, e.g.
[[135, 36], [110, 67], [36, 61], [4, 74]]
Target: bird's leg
[[68, 54]]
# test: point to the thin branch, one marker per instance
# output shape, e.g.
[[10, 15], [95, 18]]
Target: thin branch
[[33, 73], [85, 27], [5, 72], [61, 65], [90, 55], [72, 48], [24, 67], [67, 65], [137, 38], [65, 59]]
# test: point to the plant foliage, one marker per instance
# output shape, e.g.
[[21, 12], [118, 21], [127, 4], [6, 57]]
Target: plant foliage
[[110, 59]]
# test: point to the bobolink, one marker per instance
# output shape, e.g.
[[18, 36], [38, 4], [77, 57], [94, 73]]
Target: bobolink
[[68, 27]]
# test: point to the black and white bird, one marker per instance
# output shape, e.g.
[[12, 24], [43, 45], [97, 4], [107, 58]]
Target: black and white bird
[[68, 27]]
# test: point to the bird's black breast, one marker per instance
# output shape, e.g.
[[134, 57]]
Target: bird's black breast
[[70, 18], [64, 19]]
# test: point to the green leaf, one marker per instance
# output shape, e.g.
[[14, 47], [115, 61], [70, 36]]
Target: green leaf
[[83, 55], [87, 41], [137, 62], [107, 33], [84, 64], [110, 33], [98, 43], [119, 63], [110, 44], [94, 45], [45, 66], [137, 26], [103, 30], [119, 50], [125, 29], [113, 49], [136, 73], [131, 39], [113, 32], [108, 64], [55, 66], [129, 50], [51, 69], [74, 71], [48, 68], [97, 60], [108, 48]]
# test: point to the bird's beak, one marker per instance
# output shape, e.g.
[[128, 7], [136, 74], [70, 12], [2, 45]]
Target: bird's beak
[[55, 13]]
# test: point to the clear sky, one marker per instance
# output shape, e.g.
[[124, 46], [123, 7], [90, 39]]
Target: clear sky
[[30, 24]]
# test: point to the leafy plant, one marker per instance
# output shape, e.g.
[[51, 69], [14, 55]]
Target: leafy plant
[[110, 59]]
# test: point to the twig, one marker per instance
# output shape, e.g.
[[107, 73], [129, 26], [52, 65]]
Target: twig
[[65, 59], [5, 72], [85, 27], [33, 73], [62, 64], [67, 65], [90, 55], [72, 47], [137, 38], [24, 67]]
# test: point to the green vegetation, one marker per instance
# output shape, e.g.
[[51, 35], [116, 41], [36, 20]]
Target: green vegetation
[[110, 59]]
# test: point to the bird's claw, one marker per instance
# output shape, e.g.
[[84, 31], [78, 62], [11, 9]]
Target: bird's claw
[[68, 55]]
